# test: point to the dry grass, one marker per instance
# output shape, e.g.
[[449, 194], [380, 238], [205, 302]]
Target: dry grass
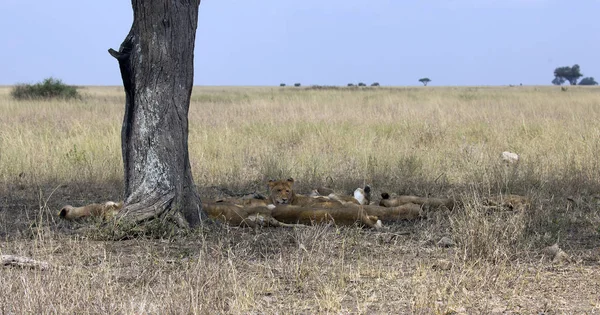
[[439, 141], [383, 136]]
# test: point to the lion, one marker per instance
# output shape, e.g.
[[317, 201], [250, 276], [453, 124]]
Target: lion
[[361, 196], [324, 191], [285, 215], [281, 192], [309, 215], [386, 201], [249, 216], [245, 202], [105, 210], [407, 211], [349, 214], [509, 202]]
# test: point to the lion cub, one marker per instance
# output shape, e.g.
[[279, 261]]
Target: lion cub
[[105, 210]]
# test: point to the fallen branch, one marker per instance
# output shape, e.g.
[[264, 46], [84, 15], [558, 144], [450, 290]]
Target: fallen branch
[[24, 262]]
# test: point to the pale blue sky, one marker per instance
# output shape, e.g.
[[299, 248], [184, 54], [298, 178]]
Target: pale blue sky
[[333, 42]]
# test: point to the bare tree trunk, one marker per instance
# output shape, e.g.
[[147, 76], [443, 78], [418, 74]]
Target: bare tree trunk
[[156, 60]]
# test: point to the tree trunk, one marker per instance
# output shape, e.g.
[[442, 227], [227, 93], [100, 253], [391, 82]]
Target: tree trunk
[[156, 60]]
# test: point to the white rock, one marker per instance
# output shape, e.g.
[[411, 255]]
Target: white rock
[[510, 157]]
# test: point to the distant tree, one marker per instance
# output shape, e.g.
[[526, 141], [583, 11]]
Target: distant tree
[[281, 84], [375, 84], [361, 84], [571, 74], [588, 81], [350, 84], [297, 84], [425, 81]]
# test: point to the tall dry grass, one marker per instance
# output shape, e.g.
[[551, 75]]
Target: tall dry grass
[[392, 138], [438, 141]]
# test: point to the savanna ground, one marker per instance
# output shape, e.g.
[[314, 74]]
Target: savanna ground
[[422, 141]]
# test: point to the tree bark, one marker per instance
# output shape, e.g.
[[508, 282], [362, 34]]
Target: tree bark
[[156, 60]]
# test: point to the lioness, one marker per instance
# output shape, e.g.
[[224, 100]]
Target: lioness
[[250, 215], [106, 210], [237, 215], [313, 215], [281, 192], [386, 201], [408, 211], [245, 202], [369, 216], [361, 196]]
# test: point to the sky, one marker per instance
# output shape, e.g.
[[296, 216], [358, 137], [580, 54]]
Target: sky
[[326, 42]]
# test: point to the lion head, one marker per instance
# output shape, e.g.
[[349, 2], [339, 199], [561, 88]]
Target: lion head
[[281, 192]]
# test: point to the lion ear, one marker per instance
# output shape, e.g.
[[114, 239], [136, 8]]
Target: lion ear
[[271, 183], [291, 180]]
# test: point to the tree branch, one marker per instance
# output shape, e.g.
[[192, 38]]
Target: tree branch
[[19, 261]]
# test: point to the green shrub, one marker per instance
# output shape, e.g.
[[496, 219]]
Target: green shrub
[[281, 84], [375, 84], [361, 84], [350, 84], [47, 89], [296, 84]]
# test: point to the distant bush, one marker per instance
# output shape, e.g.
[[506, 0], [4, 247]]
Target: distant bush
[[361, 84], [375, 84], [350, 84], [297, 84], [281, 84], [588, 81], [47, 89]]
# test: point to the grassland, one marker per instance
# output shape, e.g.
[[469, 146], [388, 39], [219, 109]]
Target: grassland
[[424, 141]]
